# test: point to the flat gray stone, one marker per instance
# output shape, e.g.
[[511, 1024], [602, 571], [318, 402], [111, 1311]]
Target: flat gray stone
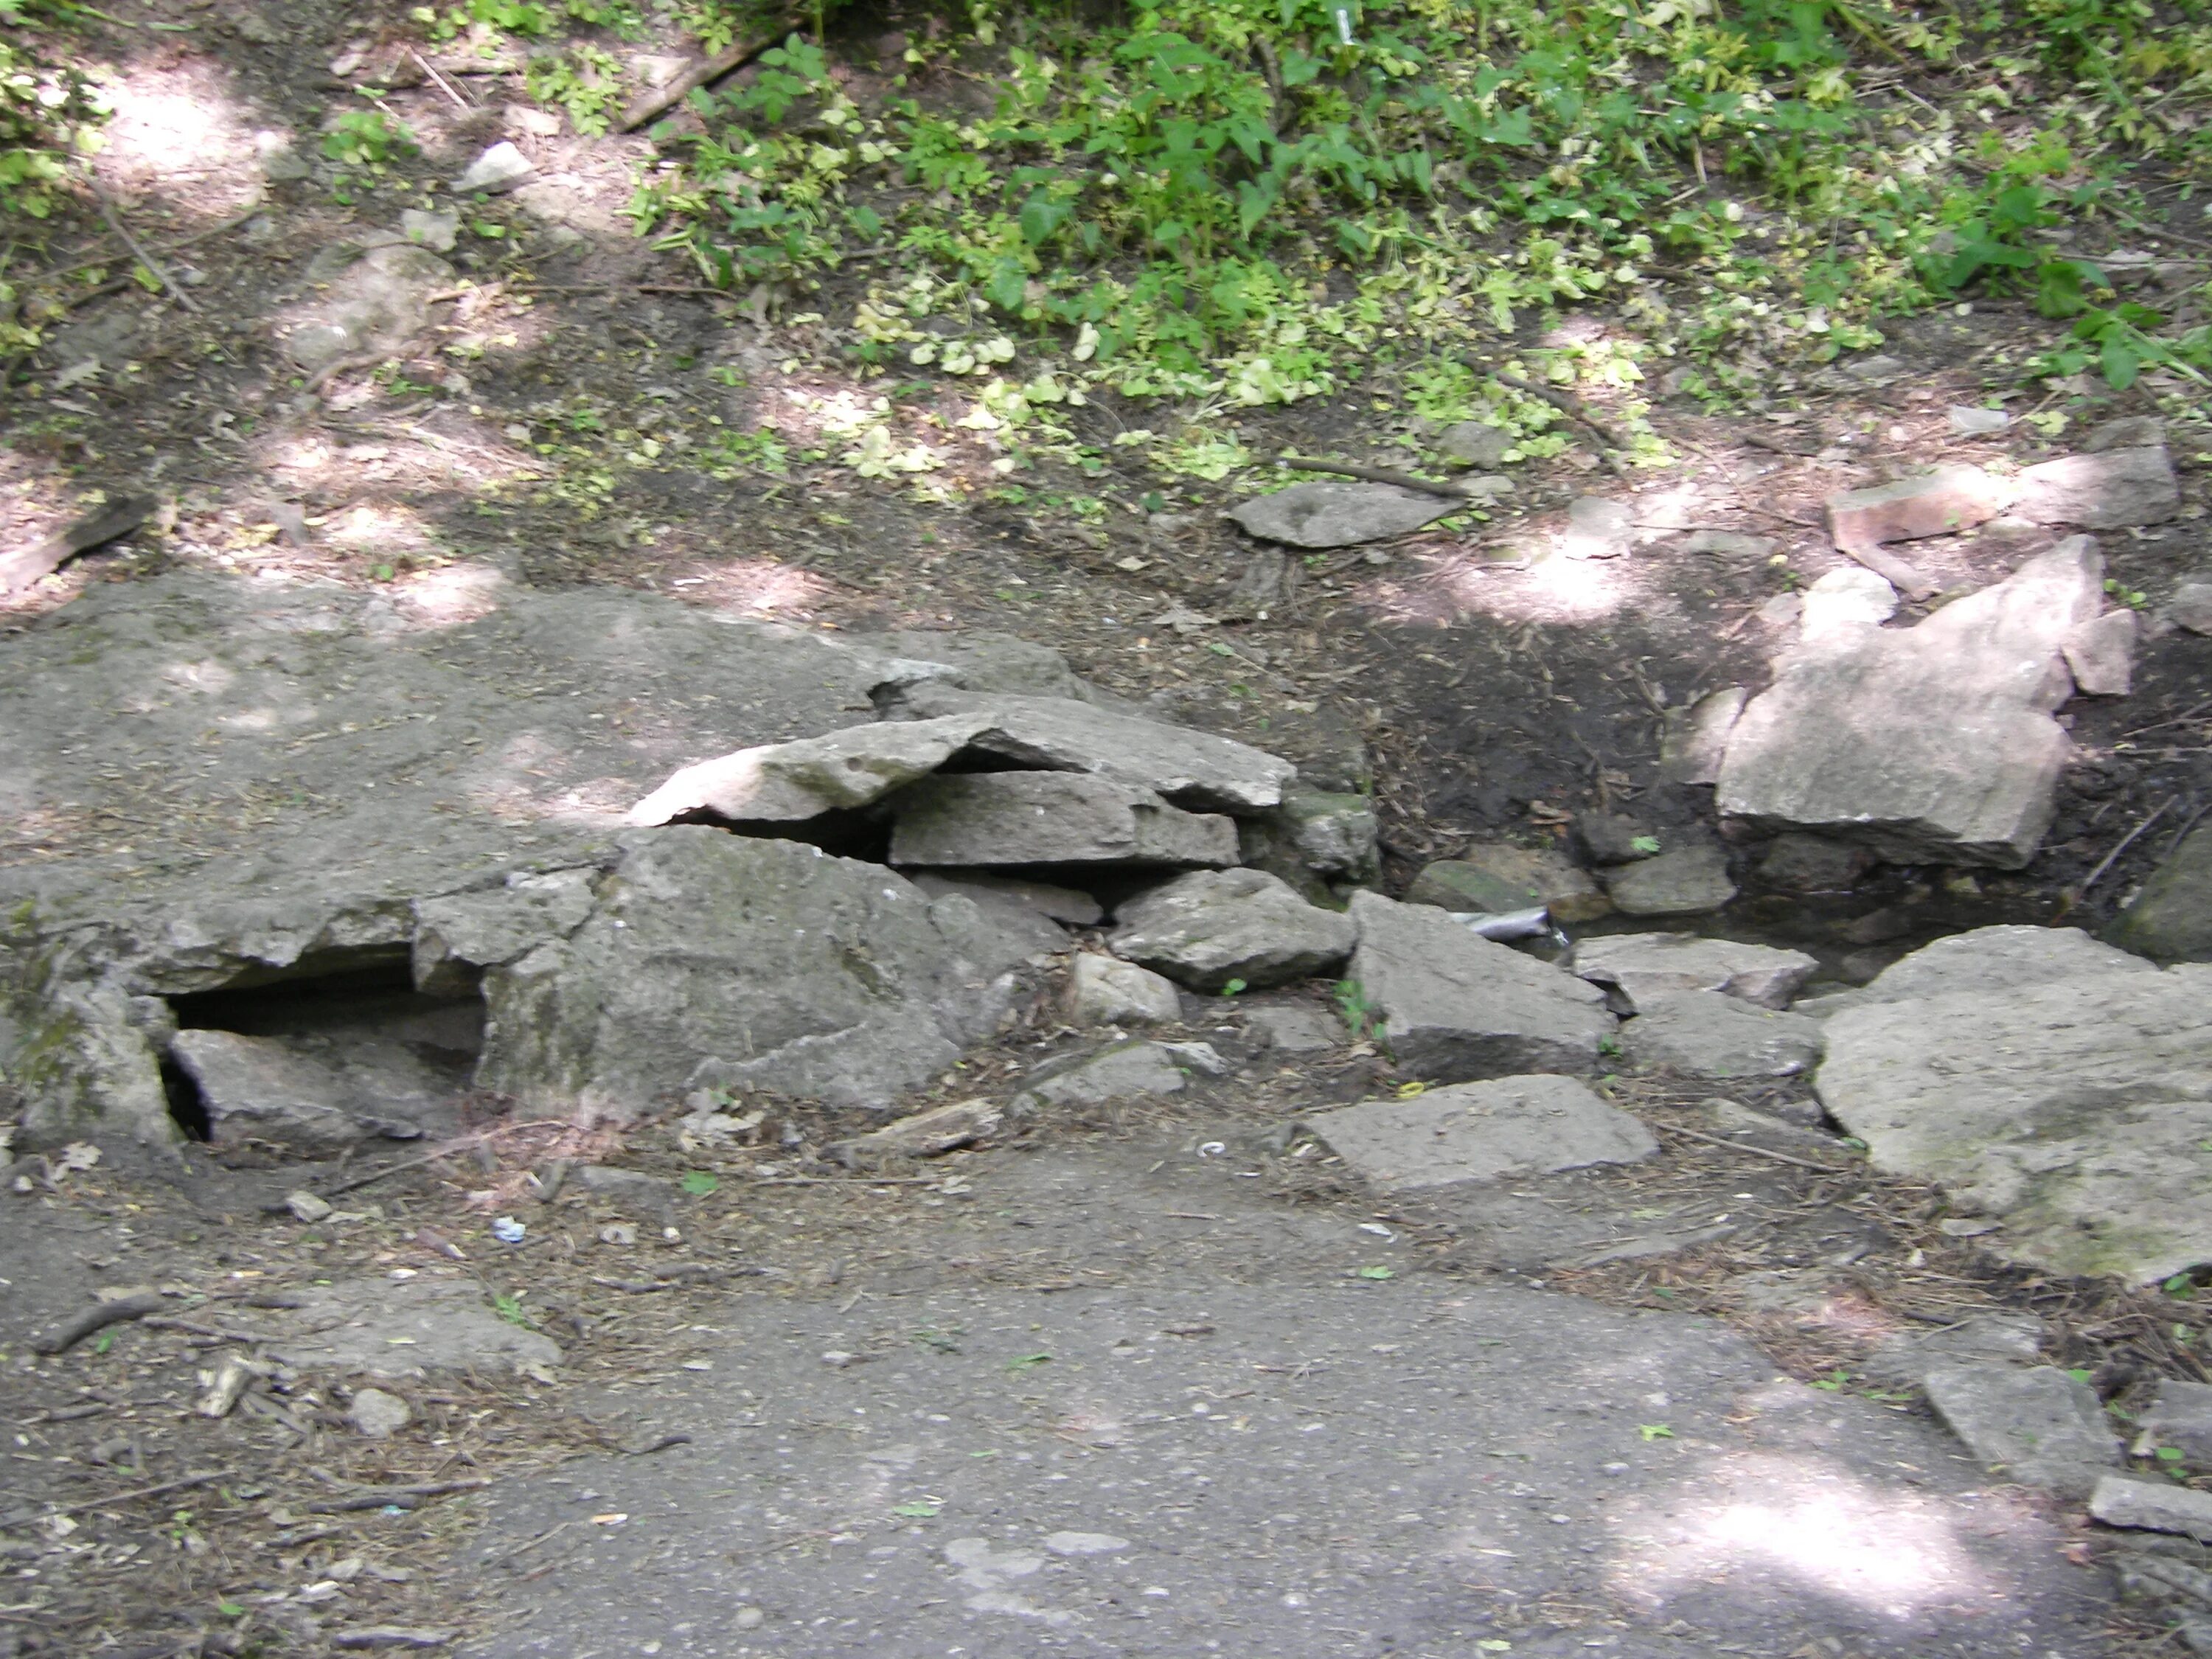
[[789, 782], [1314, 833], [1696, 738], [2127, 432], [1320, 515], [500, 168], [436, 231], [1930, 743], [2108, 490], [1684, 881], [2153, 1506], [1940, 503], [1847, 597], [2075, 1112], [1196, 769], [1117, 1072], [1475, 443], [2180, 1416], [2170, 919], [718, 961], [1068, 905], [924, 1134], [1211, 926], [1294, 1030], [1499, 877], [1103, 991], [402, 1328], [376, 303], [311, 1095], [1645, 968], [2043, 1427], [460, 934], [1468, 1132], [2191, 607], [2101, 654], [377, 1415], [1991, 960], [1704, 1034], [1982, 1338], [1017, 818], [1454, 1007]]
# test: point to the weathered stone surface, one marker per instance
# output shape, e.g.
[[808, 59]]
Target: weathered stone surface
[[713, 960], [1473, 443], [1294, 1030], [1115, 1072], [2153, 1506], [1498, 876], [500, 168], [1847, 598], [1017, 818], [1647, 968], [2180, 1416], [459, 935], [1456, 1007], [1068, 905], [1971, 422], [1511, 1126], [378, 1415], [1799, 863], [924, 1134], [1340, 514], [2170, 919], [403, 1328], [2075, 1112], [2108, 490], [1212, 926], [1984, 1339], [1704, 1034], [789, 782], [2101, 653], [1991, 960], [1611, 838], [2127, 432], [1197, 769], [1941, 503], [1696, 737], [1932, 742], [2043, 1427], [1105, 991], [375, 303], [308, 1095], [2191, 607], [1684, 881], [1314, 833]]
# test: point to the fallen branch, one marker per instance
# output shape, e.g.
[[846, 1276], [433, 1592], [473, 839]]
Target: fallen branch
[[20, 571], [734, 57], [98, 1317], [2126, 841], [1756, 1151], [138, 248], [205, 1479], [1613, 446], [1385, 476]]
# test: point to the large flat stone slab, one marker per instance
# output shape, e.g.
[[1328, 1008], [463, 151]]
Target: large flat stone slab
[[785, 782], [1990, 960], [1331, 515], [311, 1095], [1645, 967], [2076, 1112], [2108, 490], [1454, 1007], [1513, 1125], [1934, 743], [2042, 1426], [716, 961], [1214, 927], [1705, 1034], [411, 1326], [1024, 818]]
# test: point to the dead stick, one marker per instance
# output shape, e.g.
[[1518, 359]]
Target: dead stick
[[1891, 569], [2126, 841], [1756, 1151], [1565, 402], [98, 1317], [1380, 475], [699, 75], [148, 1491], [115, 223]]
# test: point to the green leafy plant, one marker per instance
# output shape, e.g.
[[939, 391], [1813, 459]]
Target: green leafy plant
[[508, 1307], [369, 138], [700, 1182], [48, 112]]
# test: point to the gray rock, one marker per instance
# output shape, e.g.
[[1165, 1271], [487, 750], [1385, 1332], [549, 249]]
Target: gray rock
[[1598, 528], [1996, 959], [1294, 1030], [1511, 1126], [1102, 991], [1849, 598], [460, 934], [2191, 607], [1696, 737], [716, 961], [1928, 743], [1685, 881], [500, 168], [2073, 1112], [1321, 515], [1456, 1007], [1474, 443], [2170, 919], [378, 1415], [1610, 838], [932, 1133], [1799, 863], [790, 782], [1982, 1339], [1201, 1058], [1730, 544], [403, 1328], [1067, 905], [1211, 926], [1116, 1072], [1704, 1034], [1941, 503], [2180, 1416], [2042, 1426], [2108, 490], [2129, 432], [1969, 422], [1314, 834], [436, 231], [1648, 968], [376, 303], [1016, 818], [634, 1187], [1192, 768], [2101, 652], [1498, 876], [2153, 1506], [312, 1095]]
